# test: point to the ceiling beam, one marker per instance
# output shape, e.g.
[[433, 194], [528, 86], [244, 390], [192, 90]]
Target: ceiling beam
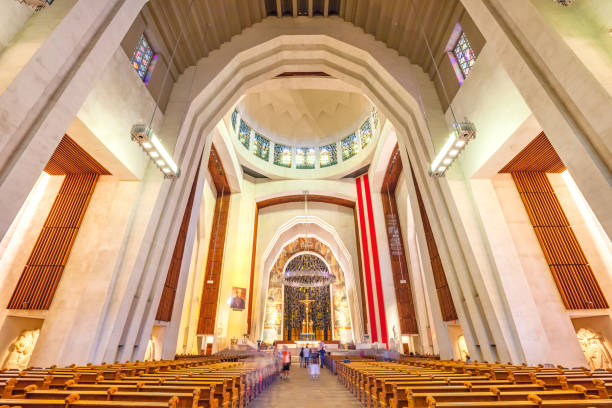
[[326, 8], [342, 11], [279, 8], [294, 6], [310, 7], [213, 32]]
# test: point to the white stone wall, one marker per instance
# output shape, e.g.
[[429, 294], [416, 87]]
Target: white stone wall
[[14, 16]]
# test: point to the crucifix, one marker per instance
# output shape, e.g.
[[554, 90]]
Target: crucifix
[[307, 326]]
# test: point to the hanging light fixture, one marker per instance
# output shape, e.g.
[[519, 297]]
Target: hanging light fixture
[[462, 132], [151, 144], [454, 145], [564, 2], [306, 270], [144, 135]]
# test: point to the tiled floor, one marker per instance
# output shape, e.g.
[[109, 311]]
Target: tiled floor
[[301, 392]]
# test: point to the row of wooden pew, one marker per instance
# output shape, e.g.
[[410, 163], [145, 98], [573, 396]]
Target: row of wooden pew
[[450, 384], [191, 383]]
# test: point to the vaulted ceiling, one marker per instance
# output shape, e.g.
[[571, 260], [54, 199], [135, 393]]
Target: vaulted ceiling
[[203, 25]]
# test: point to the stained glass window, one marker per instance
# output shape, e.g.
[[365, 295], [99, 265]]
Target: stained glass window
[[143, 59], [366, 133], [350, 146], [464, 54], [375, 118], [282, 155], [234, 118], [262, 147], [244, 134], [328, 155], [305, 157]]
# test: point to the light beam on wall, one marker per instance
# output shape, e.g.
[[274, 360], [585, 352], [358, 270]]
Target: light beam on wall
[[151, 144], [454, 145]]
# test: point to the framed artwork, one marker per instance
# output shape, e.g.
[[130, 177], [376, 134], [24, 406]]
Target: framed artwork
[[238, 300]]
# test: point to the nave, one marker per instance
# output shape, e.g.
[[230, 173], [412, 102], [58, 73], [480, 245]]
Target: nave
[[189, 186], [301, 391]]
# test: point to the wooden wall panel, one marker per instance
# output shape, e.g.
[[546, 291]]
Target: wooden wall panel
[[299, 198], [397, 255], [538, 156], [70, 158], [166, 303], [573, 275], [216, 246], [214, 266], [447, 307], [252, 277], [41, 275]]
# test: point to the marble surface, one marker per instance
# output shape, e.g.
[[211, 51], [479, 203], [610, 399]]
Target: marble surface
[[302, 392]]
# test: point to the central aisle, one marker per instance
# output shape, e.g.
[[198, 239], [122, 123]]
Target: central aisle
[[301, 392]]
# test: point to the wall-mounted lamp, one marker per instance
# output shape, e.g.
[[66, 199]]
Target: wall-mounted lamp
[[457, 140], [152, 146]]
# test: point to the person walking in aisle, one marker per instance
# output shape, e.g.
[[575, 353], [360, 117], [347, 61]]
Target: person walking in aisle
[[286, 363], [322, 355], [306, 356], [301, 356]]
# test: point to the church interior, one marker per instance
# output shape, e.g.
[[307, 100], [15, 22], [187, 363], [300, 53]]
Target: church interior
[[202, 199]]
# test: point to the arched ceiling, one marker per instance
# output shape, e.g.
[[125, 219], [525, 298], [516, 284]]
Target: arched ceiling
[[304, 117], [207, 24]]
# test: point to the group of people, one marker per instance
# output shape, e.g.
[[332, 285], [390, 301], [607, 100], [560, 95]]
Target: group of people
[[312, 359]]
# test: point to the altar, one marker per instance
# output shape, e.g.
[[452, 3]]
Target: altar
[[307, 315]]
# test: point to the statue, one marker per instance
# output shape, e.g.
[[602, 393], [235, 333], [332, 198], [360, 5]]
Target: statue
[[150, 351], [307, 325], [594, 348], [462, 348], [21, 350]]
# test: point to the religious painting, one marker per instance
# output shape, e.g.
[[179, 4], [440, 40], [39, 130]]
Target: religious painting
[[238, 300]]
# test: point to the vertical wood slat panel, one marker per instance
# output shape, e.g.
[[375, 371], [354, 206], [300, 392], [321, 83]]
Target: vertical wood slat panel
[[445, 299], [41, 275], [166, 302], [397, 254], [214, 265], [568, 264]]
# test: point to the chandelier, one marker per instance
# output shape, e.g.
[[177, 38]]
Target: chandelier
[[307, 270]]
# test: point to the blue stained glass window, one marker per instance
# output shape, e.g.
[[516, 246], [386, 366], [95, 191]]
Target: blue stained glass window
[[234, 118], [143, 59], [465, 54], [328, 156], [305, 157], [350, 146], [262, 147], [366, 133], [244, 134], [282, 155]]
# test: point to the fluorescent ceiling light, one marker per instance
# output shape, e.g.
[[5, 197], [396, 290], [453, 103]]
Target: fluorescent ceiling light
[[164, 153], [146, 145], [153, 154], [445, 149]]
